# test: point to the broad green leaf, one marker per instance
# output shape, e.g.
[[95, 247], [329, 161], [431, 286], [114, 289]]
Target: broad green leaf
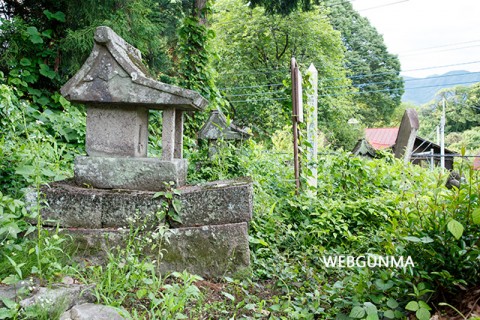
[[25, 170], [423, 314], [455, 228], [10, 304], [6, 313], [382, 285], [412, 306], [141, 293], [423, 305], [34, 35], [177, 205], [357, 312], [250, 306], [42, 100], [426, 239], [228, 295], [389, 314], [25, 62], [59, 16], [476, 216], [412, 239], [64, 102], [392, 303], [275, 307], [46, 71]]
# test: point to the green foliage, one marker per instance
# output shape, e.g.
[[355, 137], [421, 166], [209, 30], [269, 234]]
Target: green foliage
[[448, 253], [254, 52], [29, 59], [374, 72], [462, 114], [36, 146], [130, 279], [283, 7]]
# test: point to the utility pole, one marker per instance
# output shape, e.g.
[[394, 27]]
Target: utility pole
[[442, 136]]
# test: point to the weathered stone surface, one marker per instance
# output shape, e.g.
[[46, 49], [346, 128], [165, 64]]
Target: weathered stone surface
[[217, 127], [114, 74], [206, 251], [72, 206], [129, 173], [90, 311], [168, 134], [220, 202], [60, 297], [120, 132], [407, 133]]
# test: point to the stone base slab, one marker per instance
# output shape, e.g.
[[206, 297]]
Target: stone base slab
[[129, 173], [210, 251], [214, 203]]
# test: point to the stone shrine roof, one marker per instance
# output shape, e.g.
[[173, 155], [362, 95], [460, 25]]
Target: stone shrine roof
[[115, 75], [217, 127]]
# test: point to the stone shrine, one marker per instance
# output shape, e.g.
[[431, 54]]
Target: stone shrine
[[217, 127], [116, 180], [114, 86]]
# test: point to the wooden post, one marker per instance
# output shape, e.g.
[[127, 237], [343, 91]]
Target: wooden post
[[297, 116]]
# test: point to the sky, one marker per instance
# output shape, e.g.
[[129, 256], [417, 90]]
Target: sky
[[426, 34]]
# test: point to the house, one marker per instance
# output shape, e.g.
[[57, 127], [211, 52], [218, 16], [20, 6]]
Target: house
[[404, 143], [422, 154], [381, 138], [476, 162]]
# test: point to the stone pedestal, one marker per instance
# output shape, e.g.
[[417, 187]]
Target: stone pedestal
[[210, 240]]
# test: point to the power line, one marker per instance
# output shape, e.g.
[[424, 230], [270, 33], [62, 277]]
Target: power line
[[251, 87], [255, 93], [440, 46], [383, 5], [396, 89], [394, 72], [359, 85], [355, 92], [443, 50], [257, 100]]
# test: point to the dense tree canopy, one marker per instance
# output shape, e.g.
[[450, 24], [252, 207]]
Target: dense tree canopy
[[373, 71], [283, 7], [150, 25], [462, 113], [254, 52]]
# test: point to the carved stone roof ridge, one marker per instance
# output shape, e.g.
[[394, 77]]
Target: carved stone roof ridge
[[114, 65]]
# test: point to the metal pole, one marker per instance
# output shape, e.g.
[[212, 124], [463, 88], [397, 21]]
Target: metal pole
[[431, 160], [442, 136]]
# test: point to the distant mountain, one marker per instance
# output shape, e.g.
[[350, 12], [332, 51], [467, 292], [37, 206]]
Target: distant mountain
[[422, 90]]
